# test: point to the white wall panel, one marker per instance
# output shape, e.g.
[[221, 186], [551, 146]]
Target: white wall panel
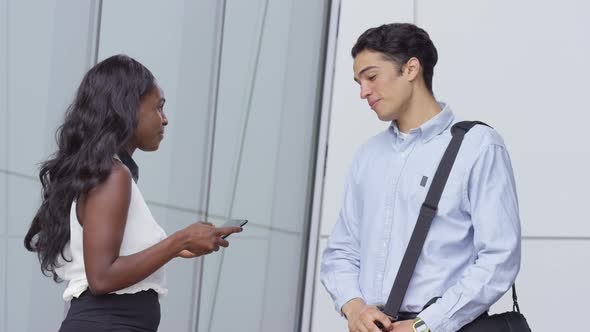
[[522, 67], [553, 276]]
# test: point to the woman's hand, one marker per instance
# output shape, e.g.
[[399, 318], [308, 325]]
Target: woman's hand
[[203, 238], [186, 254]]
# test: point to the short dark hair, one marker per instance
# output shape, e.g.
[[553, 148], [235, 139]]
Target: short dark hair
[[399, 42]]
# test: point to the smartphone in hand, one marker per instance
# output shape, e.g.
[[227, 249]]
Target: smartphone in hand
[[232, 223]]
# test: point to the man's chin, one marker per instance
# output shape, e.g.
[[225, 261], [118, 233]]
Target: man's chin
[[386, 117]]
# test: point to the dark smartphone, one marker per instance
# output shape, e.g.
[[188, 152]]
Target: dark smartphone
[[234, 222]]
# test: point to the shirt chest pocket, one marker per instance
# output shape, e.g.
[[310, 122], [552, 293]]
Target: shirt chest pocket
[[417, 184]]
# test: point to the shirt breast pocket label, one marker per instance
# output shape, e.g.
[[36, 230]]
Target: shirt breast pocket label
[[424, 181]]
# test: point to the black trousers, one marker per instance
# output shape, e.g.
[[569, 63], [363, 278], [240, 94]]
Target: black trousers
[[139, 312]]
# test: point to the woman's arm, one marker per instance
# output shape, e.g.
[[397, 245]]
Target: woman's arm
[[103, 212]]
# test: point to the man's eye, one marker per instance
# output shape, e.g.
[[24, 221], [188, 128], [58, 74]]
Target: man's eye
[[372, 78]]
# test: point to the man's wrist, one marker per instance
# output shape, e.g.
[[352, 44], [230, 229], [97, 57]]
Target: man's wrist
[[420, 326], [352, 306]]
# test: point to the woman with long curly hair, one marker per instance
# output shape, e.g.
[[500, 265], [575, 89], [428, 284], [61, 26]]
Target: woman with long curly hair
[[93, 228]]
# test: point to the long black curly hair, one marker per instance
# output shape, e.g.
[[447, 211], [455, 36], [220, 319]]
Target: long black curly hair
[[98, 124]]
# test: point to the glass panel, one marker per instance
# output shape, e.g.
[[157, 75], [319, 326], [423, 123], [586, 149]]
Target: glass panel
[[43, 55], [3, 285], [264, 143], [47, 54], [22, 203], [3, 135], [177, 41], [3, 208], [33, 302]]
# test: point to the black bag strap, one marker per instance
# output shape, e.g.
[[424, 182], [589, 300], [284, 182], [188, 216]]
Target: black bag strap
[[425, 217]]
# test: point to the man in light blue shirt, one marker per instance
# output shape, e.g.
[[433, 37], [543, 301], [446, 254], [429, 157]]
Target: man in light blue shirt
[[472, 253]]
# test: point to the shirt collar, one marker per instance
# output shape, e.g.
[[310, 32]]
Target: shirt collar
[[432, 127], [128, 161]]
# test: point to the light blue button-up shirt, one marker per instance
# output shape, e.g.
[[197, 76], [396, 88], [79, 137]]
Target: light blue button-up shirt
[[472, 253]]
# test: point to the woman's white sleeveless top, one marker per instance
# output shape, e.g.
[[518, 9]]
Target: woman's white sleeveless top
[[141, 231]]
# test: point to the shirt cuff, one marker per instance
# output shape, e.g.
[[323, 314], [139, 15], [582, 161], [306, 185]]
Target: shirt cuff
[[434, 318], [346, 292]]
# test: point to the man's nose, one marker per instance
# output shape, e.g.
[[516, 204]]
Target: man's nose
[[365, 91]]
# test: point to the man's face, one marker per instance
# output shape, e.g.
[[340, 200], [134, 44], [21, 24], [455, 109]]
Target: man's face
[[386, 90]]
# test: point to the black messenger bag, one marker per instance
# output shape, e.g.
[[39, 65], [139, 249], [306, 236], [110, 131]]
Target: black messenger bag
[[511, 321]]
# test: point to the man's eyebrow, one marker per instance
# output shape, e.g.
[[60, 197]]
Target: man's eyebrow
[[364, 70]]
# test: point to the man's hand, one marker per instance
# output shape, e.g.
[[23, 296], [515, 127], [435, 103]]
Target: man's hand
[[403, 326], [362, 317]]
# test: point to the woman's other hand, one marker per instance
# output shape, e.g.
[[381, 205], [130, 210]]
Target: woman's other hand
[[187, 254], [203, 238]]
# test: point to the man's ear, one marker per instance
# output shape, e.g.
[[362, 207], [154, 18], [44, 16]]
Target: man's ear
[[412, 69]]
